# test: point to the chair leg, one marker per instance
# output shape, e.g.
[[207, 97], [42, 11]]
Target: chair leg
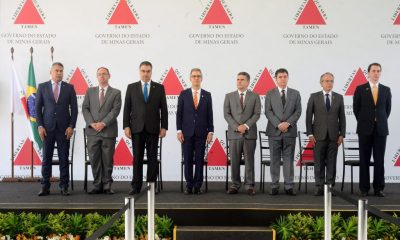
[[306, 181], [227, 176], [263, 178], [72, 176], [160, 181], [351, 179], [301, 173], [344, 167], [206, 166], [181, 176], [86, 177]]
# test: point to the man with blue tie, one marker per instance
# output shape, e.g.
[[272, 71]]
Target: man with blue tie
[[57, 111], [194, 122]]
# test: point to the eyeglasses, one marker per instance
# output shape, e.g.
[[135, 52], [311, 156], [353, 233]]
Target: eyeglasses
[[328, 81], [196, 76]]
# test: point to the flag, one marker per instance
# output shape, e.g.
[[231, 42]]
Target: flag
[[18, 101], [31, 100]]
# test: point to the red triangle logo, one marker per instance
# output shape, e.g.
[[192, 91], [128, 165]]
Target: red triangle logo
[[307, 154], [122, 14], [397, 21], [397, 164], [216, 154], [29, 14], [122, 155], [310, 15], [217, 14], [24, 156], [358, 79], [264, 83], [79, 82], [172, 84]]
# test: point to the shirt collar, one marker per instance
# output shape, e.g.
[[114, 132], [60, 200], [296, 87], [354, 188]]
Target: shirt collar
[[330, 93], [53, 82], [143, 82], [244, 93], [105, 88], [371, 85], [280, 89]]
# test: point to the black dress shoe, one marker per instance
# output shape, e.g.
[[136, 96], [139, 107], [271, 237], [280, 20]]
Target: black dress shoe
[[274, 191], [379, 194], [134, 191], [65, 192], [232, 190], [44, 192], [290, 192], [251, 192], [109, 191], [95, 191], [318, 192], [364, 194], [197, 191], [188, 191]]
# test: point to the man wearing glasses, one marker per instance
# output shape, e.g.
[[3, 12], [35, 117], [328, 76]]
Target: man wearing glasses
[[194, 123], [326, 128]]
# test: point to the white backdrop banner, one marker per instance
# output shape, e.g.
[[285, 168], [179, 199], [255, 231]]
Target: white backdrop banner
[[222, 37]]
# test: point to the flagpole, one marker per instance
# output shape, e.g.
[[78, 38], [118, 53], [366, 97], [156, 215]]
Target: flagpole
[[12, 125], [31, 50]]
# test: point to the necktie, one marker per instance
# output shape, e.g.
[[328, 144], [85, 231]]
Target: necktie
[[101, 97], [327, 102], [195, 100], [241, 100], [375, 93], [145, 92], [283, 97], [55, 92]]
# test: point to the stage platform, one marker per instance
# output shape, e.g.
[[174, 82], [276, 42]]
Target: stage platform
[[212, 208]]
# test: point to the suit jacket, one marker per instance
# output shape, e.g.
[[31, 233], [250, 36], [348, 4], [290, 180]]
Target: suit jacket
[[191, 121], [277, 113], [320, 122], [107, 113], [62, 114], [235, 116], [150, 116], [366, 112]]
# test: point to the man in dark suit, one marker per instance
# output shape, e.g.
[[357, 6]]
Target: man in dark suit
[[145, 120], [372, 103], [100, 109], [326, 128], [242, 109], [194, 123], [57, 111], [283, 110]]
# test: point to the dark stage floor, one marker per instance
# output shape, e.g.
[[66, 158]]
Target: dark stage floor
[[22, 195]]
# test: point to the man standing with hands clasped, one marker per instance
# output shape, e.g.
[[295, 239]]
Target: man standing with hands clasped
[[100, 109], [326, 128], [283, 110]]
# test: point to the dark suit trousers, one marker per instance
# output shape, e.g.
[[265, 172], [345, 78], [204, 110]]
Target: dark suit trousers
[[101, 155], [376, 145], [325, 156], [193, 149], [140, 141], [56, 136]]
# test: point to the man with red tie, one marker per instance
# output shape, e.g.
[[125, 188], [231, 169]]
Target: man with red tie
[[372, 104], [194, 123]]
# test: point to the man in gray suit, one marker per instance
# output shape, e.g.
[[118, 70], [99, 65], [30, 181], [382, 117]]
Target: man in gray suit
[[326, 128], [242, 109], [100, 109], [283, 110]]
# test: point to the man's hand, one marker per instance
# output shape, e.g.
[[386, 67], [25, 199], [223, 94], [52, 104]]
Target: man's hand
[[42, 133], [284, 126], [163, 132], [100, 126], [209, 137], [340, 140], [312, 140], [180, 137], [242, 129], [128, 132], [69, 132]]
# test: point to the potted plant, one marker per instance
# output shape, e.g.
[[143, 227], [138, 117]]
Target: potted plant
[[164, 226]]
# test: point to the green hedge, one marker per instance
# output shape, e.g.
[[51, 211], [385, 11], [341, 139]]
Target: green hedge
[[299, 226], [78, 226]]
